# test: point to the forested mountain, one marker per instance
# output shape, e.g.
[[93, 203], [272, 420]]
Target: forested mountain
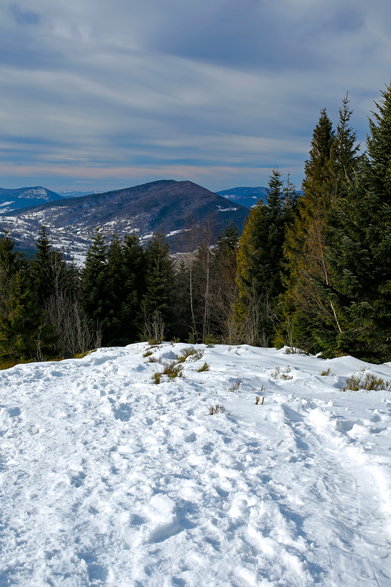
[[170, 207]]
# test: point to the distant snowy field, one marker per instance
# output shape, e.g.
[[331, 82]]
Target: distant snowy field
[[109, 479]]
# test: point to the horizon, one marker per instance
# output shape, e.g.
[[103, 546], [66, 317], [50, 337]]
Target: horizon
[[124, 187], [94, 98]]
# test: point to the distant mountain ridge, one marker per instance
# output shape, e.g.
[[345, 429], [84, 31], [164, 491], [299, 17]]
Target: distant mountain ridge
[[76, 193], [27, 197], [245, 196], [167, 206]]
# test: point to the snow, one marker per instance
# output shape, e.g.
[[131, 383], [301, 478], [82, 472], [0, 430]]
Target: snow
[[109, 479], [226, 209]]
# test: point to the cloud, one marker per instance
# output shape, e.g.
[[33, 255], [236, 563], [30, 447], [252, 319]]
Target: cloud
[[213, 89], [23, 16]]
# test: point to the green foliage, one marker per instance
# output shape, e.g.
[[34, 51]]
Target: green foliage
[[158, 295], [259, 264], [173, 370], [190, 353], [360, 248], [308, 310], [112, 286], [93, 281], [204, 367], [156, 378]]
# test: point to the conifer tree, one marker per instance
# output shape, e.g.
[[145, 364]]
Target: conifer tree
[[309, 314], [123, 289], [159, 279], [93, 280], [302, 247], [20, 314], [223, 287], [259, 265], [360, 248], [113, 294], [42, 268], [134, 285]]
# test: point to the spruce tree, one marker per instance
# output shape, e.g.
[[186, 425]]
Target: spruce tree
[[259, 265], [124, 285], [159, 279], [223, 286], [134, 286], [22, 335], [93, 280], [303, 247], [309, 314], [360, 248]]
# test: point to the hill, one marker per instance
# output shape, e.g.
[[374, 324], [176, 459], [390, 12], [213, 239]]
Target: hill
[[110, 479], [21, 198], [167, 206], [245, 196]]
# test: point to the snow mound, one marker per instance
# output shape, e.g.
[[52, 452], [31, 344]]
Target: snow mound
[[107, 478]]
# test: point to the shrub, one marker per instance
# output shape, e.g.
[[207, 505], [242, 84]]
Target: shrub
[[82, 355], [326, 372], [235, 385], [204, 367], [190, 352], [148, 353], [156, 377], [7, 364], [210, 340], [367, 381], [279, 373], [291, 350], [173, 370], [217, 409], [154, 360]]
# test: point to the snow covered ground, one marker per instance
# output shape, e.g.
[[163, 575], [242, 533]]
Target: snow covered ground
[[109, 479]]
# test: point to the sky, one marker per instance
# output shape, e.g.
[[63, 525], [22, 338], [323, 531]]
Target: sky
[[98, 95]]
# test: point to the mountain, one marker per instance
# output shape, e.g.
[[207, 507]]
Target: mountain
[[75, 194], [167, 206], [245, 196], [21, 198]]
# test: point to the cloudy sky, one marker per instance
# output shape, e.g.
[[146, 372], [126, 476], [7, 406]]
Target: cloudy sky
[[100, 94]]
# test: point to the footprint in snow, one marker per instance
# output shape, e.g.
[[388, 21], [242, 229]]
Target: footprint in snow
[[122, 412], [14, 412], [77, 480]]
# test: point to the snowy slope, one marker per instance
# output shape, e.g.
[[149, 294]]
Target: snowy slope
[[109, 479]]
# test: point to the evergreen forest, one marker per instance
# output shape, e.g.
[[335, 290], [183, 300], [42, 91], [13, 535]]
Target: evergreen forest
[[311, 272]]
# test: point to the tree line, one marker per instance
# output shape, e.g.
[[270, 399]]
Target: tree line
[[312, 271]]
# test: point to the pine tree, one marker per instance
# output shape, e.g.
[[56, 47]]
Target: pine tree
[[21, 330], [159, 279], [93, 280], [42, 267], [360, 248], [309, 316], [223, 286], [123, 289], [259, 265], [134, 286]]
